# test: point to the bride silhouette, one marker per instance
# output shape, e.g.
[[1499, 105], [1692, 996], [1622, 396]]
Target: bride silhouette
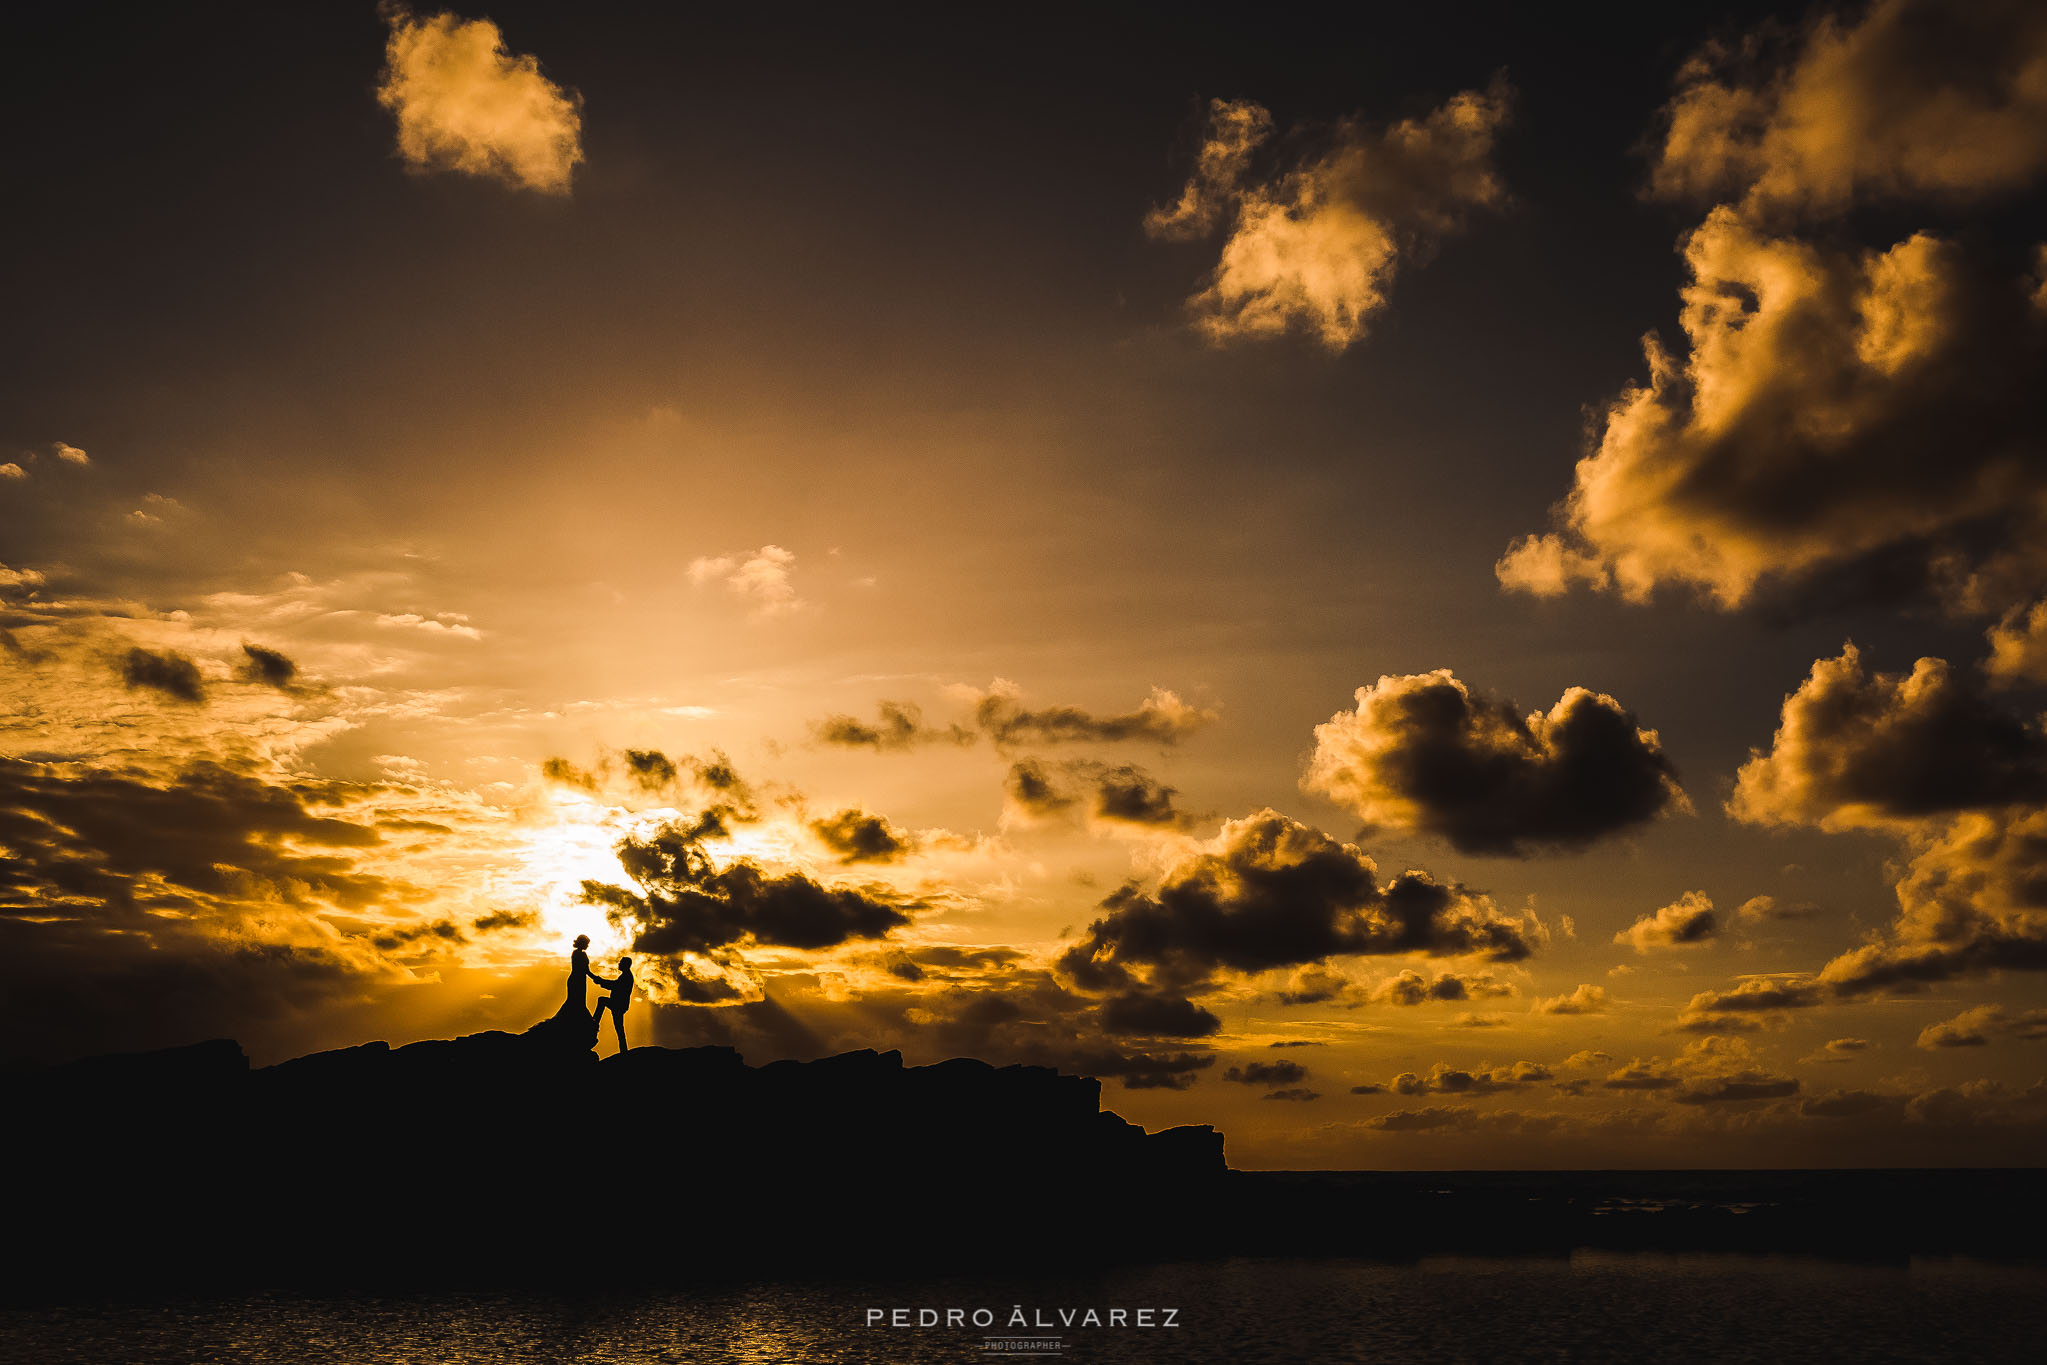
[[572, 1027], [578, 1002]]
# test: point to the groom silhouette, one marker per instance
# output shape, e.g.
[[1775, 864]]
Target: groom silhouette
[[618, 1001]]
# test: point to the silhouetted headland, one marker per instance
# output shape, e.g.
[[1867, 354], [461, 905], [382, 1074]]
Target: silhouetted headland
[[501, 1156]]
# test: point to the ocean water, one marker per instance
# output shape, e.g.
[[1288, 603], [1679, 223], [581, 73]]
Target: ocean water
[[1589, 1307]]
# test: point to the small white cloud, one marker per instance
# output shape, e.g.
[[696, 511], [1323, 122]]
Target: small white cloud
[[12, 471], [761, 576], [155, 508], [443, 623], [70, 454]]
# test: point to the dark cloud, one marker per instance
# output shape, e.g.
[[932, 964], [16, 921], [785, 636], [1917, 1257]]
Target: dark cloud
[[1955, 774], [171, 986], [1412, 988], [858, 837], [1368, 1089], [1159, 1016], [1272, 892], [1162, 718], [433, 933], [686, 904], [1267, 1073], [691, 989], [901, 726], [1859, 748], [170, 673], [568, 774], [1297, 1094], [1424, 753], [650, 769], [1298, 1042], [1143, 1070], [1132, 796], [902, 967], [498, 920], [16, 650], [1034, 791], [1124, 794], [98, 843], [268, 667], [140, 911], [946, 959]]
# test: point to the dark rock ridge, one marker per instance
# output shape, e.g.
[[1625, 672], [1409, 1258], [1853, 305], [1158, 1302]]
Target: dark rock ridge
[[503, 1154]]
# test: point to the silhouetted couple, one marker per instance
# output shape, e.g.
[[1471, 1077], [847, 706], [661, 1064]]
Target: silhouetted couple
[[618, 1001]]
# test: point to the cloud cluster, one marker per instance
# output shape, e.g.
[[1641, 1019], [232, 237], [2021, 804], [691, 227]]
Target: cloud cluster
[[1270, 892], [1915, 99], [1585, 999], [1267, 1073], [143, 910], [1444, 1079], [900, 727], [1116, 795], [988, 1002], [1686, 922], [465, 103], [1143, 1014], [1425, 753], [1162, 718], [686, 903], [1751, 1004], [1856, 748], [1313, 244], [1790, 446], [1949, 770], [1410, 987], [1714, 1070], [1979, 1026]]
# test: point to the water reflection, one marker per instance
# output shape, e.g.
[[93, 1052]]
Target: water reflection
[[1589, 1307]]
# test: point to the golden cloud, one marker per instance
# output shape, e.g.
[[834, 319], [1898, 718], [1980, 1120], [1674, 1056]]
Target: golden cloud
[[1315, 245], [466, 104], [1790, 442], [1918, 97]]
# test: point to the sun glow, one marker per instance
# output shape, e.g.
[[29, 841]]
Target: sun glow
[[580, 845]]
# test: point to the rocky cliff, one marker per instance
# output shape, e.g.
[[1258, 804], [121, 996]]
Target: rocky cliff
[[500, 1153]]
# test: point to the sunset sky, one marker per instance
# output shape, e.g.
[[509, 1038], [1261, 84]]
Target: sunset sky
[[1439, 588]]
